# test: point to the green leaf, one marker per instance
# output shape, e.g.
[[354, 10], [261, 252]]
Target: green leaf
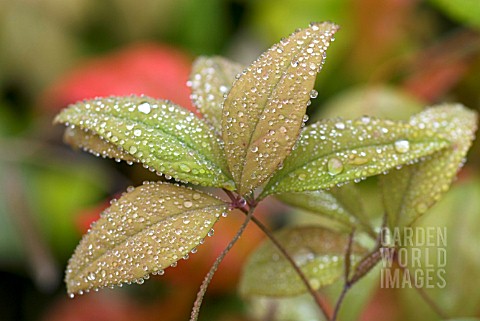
[[157, 133], [145, 231], [454, 225], [317, 251], [375, 100], [94, 144], [301, 307], [466, 11], [265, 109], [410, 192], [211, 80], [342, 204], [332, 151]]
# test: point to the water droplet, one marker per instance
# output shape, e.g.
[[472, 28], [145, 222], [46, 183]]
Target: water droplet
[[254, 149], [313, 94], [421, 208], [334, 166], [187, 204], [91, 276], [302, 177], [185, 168], [196, 196], [132, 150], [144, 108], [315, 283], [402, 146], [137, 132], [340, 125]]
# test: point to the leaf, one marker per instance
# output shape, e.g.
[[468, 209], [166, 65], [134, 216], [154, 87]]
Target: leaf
[[145, 231], [342, 204], [301, 307], [409, 193], [375, 100], [454, 225], [211, 80], [331, 152], [466, 11], [94, 144], [317, 251], [264, 110], [157, 133]]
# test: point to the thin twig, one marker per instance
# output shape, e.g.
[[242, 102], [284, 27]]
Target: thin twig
[[346, 276], [294, 265], [345, 289], [213, 269]]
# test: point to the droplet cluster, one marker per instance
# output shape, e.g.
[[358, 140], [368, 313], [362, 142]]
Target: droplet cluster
[[148, 229], [210, 81], [334, 151], [164, 137], [264, 111]]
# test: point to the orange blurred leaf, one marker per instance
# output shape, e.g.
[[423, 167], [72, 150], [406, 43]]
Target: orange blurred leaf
[[154, 70]]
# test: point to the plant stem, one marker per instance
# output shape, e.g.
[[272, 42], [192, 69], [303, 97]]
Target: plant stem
[[287, 256], [347, 284], [213, 269], [345, 289]]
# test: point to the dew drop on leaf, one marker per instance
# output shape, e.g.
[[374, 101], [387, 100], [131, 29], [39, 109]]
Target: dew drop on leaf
[[402, 146], [145, 231], [334, 166], [144, 108]]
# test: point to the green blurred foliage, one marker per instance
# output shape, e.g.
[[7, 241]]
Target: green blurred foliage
[[458, 212], [465, 11]]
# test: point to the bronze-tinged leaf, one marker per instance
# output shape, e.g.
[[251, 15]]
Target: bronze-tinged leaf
[[211, 80], [410, 192], [332, 151], [145, 231], [163, 136], [264, 111], [317, 251], [341, 204]]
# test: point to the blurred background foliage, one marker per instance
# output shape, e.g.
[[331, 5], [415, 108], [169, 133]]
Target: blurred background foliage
[[391, 58]]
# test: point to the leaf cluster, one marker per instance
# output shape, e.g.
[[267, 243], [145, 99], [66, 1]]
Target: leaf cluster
[[252, 142]]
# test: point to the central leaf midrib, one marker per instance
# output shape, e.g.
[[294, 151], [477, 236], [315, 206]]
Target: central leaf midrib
[[128, 237]]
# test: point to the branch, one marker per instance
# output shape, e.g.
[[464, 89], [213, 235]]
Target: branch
[[213, 269], [347, 284]]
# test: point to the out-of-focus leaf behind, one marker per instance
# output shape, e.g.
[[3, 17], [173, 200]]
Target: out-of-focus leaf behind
[[319, 252]]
